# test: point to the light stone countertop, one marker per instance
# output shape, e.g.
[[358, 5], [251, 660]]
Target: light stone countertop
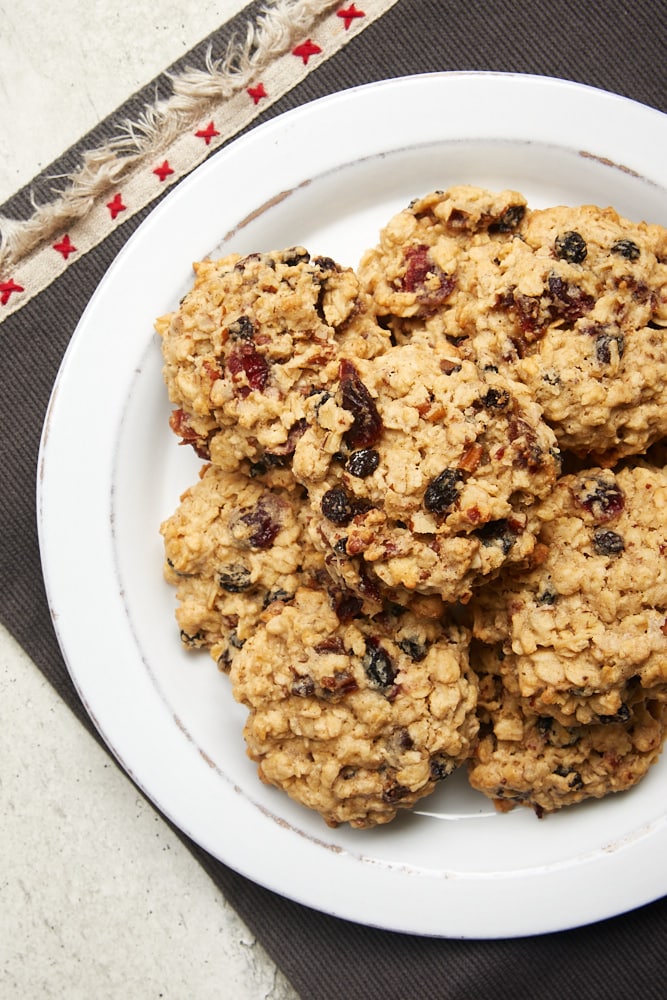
[[98, 898]]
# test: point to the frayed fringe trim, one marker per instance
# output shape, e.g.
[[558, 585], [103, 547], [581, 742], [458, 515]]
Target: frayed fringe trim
[[275, 30]]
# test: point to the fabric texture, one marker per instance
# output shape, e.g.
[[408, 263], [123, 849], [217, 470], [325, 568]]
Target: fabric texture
[[615, 46]]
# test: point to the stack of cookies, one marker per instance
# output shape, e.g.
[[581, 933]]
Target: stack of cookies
[[430, 529]]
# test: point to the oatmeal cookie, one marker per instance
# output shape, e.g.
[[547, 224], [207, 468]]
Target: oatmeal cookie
[[533, 760], [570, 300], [232, 547], [248, 343], [421, 471], [355, 718], [421, 263], [585, 631]]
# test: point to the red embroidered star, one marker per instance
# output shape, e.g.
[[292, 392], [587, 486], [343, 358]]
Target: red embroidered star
[[257, 93], [348, 14], [306, 50], [116, 206], [207, 133], [6, 289], [163, 170], [65, 247]]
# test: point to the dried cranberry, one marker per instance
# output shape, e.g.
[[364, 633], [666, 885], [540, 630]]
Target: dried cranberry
[[571, 246], [242, 328], [627, 249], [600, 497], [255, 367], [367, 423], [419, 269], [608, 543], [568, 300], [341, 682], [442, 492], [234, 578], [363, 463], [378, 665], [264, 522]]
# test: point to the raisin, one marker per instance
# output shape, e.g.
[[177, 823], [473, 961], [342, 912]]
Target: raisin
[[378, 665], [401, 739], [608, 543], [246, 360], [575, 782], [509, 220], [367, 423], [571, 246], [363, 463], [394, 793], [234, 579], [600, 497], [294, 256], [242, 328], [303, 687], [276, 595], [627, 249], [442, 492], [496, 399], [497, 533], [414, 648], [192, 641], [603, 346], [441, 768], [547, 597], [326, 264], [336, 506], [623, 715]]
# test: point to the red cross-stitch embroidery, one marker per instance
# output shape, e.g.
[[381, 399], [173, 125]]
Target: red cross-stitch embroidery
[[257, 93], [306, 50], [207, 133], [6, 289], [65, 246], [116, 206], [163, 170], [348, 14]]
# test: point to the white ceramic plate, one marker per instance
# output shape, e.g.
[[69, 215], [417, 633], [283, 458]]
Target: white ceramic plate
[[327, 176]]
